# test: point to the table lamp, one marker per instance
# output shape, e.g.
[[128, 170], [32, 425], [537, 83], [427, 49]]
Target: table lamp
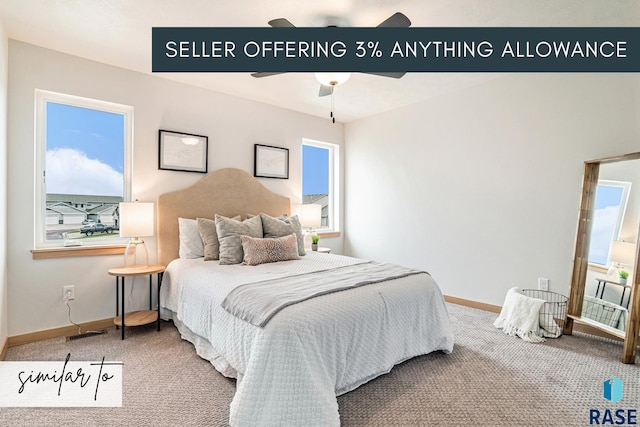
[[310, 218], [621, 253], [136, 220]]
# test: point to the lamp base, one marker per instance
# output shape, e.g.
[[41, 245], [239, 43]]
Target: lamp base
[[307, 240], [135, 254]]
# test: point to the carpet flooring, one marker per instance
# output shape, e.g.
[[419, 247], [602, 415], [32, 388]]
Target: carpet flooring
[[490, 379]]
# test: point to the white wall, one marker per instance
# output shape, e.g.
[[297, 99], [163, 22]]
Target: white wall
[[4, 57], [232, 124], [481, 187]]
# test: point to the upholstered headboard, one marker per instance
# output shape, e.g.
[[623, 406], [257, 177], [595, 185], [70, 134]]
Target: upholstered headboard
[[226, 192]]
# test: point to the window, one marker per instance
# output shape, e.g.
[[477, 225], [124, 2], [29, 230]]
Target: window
[[320, 180], [83, 162], [609, 209]]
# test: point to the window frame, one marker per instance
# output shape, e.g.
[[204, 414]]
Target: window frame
[[333, 209], [624, 201], [42, 98]]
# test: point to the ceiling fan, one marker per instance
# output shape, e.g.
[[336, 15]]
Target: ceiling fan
[[330, 80]]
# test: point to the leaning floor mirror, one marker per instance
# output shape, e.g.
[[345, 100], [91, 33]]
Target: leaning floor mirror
[[604, 293]]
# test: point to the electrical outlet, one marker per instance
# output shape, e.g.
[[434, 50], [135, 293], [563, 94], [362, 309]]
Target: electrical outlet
[[68, 293], [543, 284]]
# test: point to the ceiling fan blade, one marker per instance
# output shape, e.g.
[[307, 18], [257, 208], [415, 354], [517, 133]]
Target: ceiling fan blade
[[325, 90], [267, 74], [396, 20], [395, 75], [281, 23]]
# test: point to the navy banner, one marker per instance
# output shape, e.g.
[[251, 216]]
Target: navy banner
[[396, 49]]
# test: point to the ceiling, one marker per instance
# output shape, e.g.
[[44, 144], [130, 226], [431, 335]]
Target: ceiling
[[118, 32]]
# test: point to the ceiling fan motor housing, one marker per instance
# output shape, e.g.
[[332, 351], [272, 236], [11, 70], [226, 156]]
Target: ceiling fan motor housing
[[334, 21]]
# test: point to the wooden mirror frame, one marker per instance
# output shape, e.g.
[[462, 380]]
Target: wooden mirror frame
[[581, 265]]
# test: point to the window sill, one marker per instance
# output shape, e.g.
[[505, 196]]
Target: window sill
[[76, 251], [328, 234], [598, 268]]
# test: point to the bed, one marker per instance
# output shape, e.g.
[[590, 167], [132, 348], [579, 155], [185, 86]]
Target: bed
[[290, 368]]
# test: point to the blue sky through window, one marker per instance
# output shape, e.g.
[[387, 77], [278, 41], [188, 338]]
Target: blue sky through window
[[605, 222], [315, 170], [85, 151]]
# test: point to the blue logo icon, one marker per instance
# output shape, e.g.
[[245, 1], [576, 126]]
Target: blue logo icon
[[613, 389]]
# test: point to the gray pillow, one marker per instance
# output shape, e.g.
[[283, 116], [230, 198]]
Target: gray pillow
[[229, 232], [283, 226], [283, 216], [209, 236]]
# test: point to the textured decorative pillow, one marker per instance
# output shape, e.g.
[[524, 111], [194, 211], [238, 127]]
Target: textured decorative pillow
[[190, 242], [283, 226], [229, 231], [261, 251]]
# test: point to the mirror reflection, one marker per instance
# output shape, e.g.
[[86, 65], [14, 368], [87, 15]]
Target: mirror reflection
[[612, 247]]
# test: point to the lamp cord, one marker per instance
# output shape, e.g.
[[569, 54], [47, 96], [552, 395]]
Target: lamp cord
[[79, 327], [69, 307]]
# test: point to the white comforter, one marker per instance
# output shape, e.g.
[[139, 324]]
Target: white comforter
[[290, 372]]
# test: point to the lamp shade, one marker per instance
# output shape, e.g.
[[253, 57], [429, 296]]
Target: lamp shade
[[136, 219], [622, 252], [311, 215]]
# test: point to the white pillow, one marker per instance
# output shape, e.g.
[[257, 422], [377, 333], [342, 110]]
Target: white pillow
[[191, 245]]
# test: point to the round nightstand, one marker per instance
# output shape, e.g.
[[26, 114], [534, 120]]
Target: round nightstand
[[322, 250], [142, 317]]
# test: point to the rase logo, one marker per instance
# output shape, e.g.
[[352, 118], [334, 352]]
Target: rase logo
[[612, 390]]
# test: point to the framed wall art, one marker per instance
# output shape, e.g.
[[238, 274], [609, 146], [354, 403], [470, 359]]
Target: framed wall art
[[180, 151], [271, 162]]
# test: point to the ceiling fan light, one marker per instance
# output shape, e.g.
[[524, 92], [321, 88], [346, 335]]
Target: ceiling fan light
[[332, 79]]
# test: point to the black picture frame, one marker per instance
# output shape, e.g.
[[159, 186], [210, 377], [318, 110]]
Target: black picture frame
[[270, 162], [181, 151]]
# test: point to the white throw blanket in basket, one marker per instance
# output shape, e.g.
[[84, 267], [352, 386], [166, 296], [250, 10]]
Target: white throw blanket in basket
[[520, 316]]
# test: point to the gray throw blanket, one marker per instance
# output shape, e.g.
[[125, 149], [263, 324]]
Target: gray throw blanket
[[258, 302]]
